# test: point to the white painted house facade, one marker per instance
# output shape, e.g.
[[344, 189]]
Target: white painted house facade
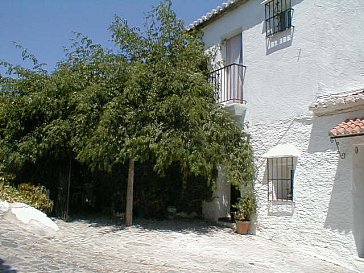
[[292, 71]]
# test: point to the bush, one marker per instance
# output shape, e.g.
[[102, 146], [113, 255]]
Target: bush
[[35, 196], [246, 207]]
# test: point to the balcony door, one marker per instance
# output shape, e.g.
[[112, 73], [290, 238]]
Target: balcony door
[[234, 50], [233, 73]]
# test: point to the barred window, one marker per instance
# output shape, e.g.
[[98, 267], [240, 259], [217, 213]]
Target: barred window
[[280, 174], [278, 16]]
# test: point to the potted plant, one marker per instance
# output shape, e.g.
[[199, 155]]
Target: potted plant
[[245, 209]]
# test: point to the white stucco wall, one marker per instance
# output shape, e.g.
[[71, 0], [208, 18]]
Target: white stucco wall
[[322, 54], [320, 220], [219, 205]]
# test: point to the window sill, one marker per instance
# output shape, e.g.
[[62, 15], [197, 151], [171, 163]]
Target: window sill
[[281, 208]]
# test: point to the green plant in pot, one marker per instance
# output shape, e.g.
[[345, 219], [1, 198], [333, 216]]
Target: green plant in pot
[[245, 209]]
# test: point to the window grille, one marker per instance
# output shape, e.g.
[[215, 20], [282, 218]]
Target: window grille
[[280, 174], [278, 16]]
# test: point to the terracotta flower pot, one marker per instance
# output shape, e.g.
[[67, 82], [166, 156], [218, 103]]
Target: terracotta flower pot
[[242, 227]]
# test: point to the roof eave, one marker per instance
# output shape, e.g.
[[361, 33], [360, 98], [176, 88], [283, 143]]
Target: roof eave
[[342, 102], [337, 109], [345, 135], [201, 23]]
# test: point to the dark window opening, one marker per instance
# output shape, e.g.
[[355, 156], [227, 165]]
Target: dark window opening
[[280, 173], [278, 16]]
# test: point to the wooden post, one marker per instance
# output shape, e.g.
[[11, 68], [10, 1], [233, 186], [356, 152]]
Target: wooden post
[[68, 190], [129, 195]]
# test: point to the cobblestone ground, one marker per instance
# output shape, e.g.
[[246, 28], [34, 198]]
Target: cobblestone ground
[[149, 246]]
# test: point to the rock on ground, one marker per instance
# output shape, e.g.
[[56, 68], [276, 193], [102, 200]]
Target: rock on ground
[[4, 207], [27, 217]]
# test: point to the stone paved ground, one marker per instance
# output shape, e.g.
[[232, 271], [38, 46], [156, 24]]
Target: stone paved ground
[[150, 246]]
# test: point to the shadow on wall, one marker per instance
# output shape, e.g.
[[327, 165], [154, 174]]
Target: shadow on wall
[[358, 196], [319, 137], [279, 40], [346, 206], [339, 213], [4, 268]]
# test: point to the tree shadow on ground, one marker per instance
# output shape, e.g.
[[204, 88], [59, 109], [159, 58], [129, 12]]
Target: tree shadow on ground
[[184, 226], [4, 268], [96, 220]]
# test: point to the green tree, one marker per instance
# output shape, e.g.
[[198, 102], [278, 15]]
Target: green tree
[[45, 119], [148, 102], [166, 112]]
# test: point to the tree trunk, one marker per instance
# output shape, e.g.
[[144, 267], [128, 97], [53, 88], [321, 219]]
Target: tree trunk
[[129, 195], [61, 202], [68, 189]]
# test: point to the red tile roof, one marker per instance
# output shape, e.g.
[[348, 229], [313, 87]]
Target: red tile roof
[[348, 127]]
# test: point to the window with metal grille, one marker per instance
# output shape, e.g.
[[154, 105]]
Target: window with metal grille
[[280, 173], [278, 16]]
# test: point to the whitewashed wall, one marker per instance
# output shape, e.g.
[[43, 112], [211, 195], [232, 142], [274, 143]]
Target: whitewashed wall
[[320, 220], [322, 54], [219, 206]]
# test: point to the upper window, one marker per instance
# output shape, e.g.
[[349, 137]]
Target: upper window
[[278, 16], [280, 178]]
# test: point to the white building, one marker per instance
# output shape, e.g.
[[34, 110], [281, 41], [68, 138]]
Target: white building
[[296, 72]]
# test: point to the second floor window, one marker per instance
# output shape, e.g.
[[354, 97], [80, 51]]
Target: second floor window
[[278, 16]]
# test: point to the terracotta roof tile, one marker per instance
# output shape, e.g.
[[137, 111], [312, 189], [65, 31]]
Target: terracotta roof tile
[[348, 127]]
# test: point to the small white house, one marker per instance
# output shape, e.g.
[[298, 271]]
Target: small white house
[[292, 72]]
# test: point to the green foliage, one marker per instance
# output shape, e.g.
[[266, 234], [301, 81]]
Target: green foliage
[[246, 206], [240, 167], [46, 119], [35, 196], [52, 115], [149, 101], [167, 112]]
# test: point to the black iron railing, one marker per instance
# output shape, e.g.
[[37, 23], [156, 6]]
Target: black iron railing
[[228, 82]]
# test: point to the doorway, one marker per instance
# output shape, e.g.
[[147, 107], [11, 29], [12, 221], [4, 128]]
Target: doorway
[[235, 195], [234, 73]]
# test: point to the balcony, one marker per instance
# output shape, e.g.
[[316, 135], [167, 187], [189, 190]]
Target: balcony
[[228, 82]]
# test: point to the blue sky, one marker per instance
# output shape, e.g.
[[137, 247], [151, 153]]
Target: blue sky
[[46, 26]]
